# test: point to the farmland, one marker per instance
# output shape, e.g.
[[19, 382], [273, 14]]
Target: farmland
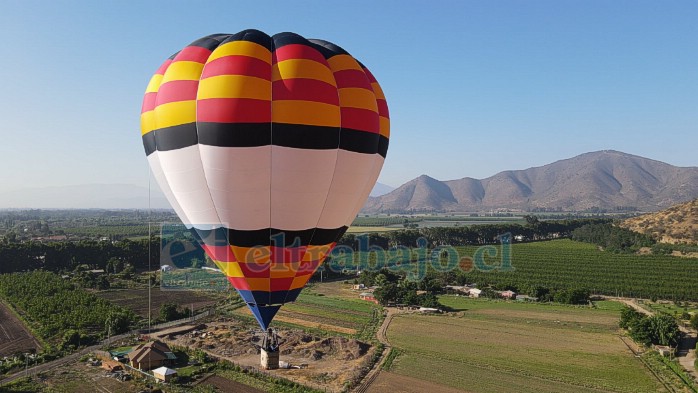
[[136, 300], [511, 347], [329, 308], [569, 264], [14, 337]]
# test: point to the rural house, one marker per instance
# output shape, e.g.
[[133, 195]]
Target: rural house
[[151, 355]]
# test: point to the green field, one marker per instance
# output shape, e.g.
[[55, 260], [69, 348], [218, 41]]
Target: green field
[[496, 347], [566, 263], [331, 307]]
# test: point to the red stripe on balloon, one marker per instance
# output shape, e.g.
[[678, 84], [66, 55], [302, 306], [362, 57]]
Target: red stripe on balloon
[[177, 90], [304, 89], [360, 119], [287, 254], [352, 78], [163, 67], [255, 270], [237, 65], [383, 108], [239, 283], [280, 284], [149, 102], [233, 110], [193, 53], [220, 253], [297, 51]]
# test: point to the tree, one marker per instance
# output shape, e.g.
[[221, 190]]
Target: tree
[[694, 321], [169, 312]]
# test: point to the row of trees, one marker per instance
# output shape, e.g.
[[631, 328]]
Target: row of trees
[[612, 238], [534, 229], [647, 330], [67, 256]]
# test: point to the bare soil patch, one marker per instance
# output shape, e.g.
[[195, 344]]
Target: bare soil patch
[[14, 336], [328, 362], [226, 385], [137, 299]]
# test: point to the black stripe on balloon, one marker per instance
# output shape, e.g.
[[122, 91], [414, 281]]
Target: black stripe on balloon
[[383, 146], [257, 134], [252, 35], [288, 38], [170, 138], [234, 134], [265, 237], [305, 136], [358, 141], [327, 48], [210, 42]]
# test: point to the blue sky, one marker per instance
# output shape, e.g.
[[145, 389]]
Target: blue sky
[[474, 87]]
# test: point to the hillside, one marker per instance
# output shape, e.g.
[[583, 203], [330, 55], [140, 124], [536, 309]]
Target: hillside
[[605, 180], [677, 224]]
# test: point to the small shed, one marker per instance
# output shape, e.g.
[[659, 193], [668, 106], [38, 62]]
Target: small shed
[[164, 374], [475, 292]]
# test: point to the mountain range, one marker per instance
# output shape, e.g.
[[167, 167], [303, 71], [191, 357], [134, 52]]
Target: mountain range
[[100, 196], [607, 180]]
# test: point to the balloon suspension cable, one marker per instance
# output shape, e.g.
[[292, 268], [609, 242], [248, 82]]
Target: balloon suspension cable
[[150, 242]]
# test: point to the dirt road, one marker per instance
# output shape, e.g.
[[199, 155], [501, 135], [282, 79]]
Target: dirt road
[[685, 352]]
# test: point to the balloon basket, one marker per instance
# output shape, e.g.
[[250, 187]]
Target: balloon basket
[[269, 359], [269, 350]]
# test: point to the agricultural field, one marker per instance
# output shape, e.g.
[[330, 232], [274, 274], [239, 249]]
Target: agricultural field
[[14, 336], [569, 264], [497, 347], [331, 307], [136, 300]]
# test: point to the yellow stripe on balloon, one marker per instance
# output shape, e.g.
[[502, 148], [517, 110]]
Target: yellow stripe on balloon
[[175, 113], [384, 126], [305, 112], [343, 62], [253, 255], [302, 68], [378, 91], [230, 269], [183, 71], [300, 281], [356, 97], [147, 122], [234, 86], [241, 48], [154, 84], [259, 284]]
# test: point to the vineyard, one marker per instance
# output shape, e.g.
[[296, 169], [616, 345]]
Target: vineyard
[[53, 305], [569, 264]]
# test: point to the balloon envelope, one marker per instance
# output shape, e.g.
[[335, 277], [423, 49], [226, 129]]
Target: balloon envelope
[[266, 147]]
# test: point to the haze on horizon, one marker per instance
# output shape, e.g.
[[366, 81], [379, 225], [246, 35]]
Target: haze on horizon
[[473, 88]]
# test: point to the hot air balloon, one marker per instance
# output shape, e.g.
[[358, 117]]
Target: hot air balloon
[[267, 148]]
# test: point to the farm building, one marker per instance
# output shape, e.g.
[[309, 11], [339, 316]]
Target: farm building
[[164, 374], [151, 355], [508, 294], [112, 365], [474, 292], [358, 286], [368, 296]]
